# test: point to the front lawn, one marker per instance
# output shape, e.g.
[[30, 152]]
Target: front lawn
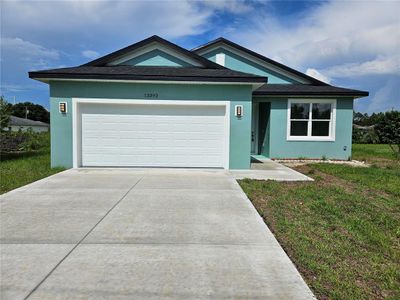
[[372, 153], [342, 230], [18, 169]]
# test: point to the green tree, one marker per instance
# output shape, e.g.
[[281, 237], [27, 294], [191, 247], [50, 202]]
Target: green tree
[[5, 110], [367, 120], [32, 111], [388, 130]]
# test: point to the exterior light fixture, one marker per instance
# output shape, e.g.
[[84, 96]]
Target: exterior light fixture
[[239, 111], [62, 107]]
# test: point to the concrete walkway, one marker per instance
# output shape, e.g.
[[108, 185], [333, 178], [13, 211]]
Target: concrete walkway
[[140, 234], [267, 169]]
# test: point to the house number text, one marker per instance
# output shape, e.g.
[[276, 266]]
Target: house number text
[[151, 95]]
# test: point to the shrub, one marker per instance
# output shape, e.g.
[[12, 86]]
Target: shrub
[[388, 131], [365, 136], [24, 141], [4, 113]]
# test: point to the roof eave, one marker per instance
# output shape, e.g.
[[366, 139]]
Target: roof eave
[[129, 78], [358, 94]]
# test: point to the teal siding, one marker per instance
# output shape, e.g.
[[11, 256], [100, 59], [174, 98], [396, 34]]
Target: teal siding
[[238, 63], [157, 58], [279, 147], [61, 125], [61, 133]]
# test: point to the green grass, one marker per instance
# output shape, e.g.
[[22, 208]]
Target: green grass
[[386, 180], [18, 169], [372, 152], [23, 170], [342, 230]]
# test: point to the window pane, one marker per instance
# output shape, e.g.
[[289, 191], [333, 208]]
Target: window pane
[[298, 128], [299, 110], [321, 111], [320, 128]]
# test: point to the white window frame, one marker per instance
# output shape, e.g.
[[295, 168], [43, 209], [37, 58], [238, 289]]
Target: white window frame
[[309, 137]]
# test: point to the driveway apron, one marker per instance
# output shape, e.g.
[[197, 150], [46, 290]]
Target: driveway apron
[[140, 234]]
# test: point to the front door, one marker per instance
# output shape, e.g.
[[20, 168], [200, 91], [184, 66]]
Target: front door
[[254, 129]]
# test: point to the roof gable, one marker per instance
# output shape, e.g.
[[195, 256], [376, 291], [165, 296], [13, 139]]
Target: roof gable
[[239, 63], [166, 53], [156, 57], [250, 61]]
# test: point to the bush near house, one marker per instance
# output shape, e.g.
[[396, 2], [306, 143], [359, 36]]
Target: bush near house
[[23, 141], [342, 230]]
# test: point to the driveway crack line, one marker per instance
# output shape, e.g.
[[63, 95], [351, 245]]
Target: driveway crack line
[[83, 238]]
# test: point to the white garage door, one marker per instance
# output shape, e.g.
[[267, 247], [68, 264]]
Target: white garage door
[[153, 135]]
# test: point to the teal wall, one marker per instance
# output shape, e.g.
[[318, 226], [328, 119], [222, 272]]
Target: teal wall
[[238, 63], [61, 125], [156, 58], [279, 147], [60, 133]]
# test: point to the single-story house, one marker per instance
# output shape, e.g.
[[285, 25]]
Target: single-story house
[[157, 104], [17, 124]]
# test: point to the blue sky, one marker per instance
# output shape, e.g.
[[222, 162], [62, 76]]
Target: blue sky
[[352, 44]]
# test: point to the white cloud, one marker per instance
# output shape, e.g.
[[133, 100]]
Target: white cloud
[[15, 88], [19, 53], [378, 66], [386, 98], [27, 49], [333, 33], [129, 18], [90, 54], [317, 75], [237, 7]]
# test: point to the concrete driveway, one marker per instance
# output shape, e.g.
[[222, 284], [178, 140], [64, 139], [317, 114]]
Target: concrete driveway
[[140, 234]]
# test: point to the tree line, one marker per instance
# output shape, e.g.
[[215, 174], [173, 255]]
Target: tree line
[[378, 128], [24, 110]]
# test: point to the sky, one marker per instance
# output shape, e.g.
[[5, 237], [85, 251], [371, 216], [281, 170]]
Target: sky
[[353, 44]]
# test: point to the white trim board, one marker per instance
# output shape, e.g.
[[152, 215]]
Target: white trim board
[[255, 85], [76, 129]]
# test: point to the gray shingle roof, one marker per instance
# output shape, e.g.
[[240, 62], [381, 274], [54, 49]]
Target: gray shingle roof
[[306, 90], [15, 121], [104, 60], [149, 73]]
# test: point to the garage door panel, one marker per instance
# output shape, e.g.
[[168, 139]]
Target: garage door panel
[[177, 136]]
